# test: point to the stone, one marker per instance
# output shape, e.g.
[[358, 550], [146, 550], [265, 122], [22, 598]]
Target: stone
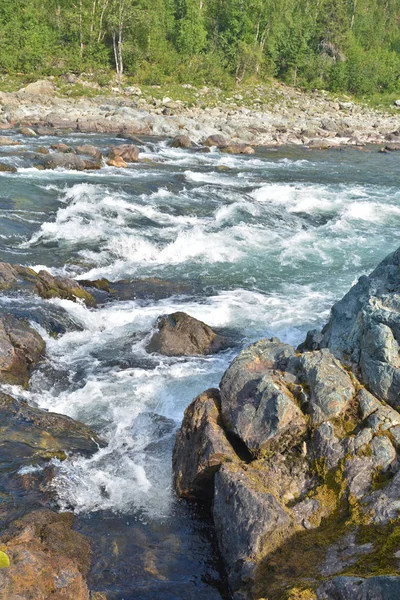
[[257, 403], [384, 504], [5, 168], [7, 141], [216, 140], [201, 447], [27, 131], [21, 348], [62, 148], [331, 389], [327, 446], [181, 141], [180, 334], [237, 149], [364, 329], [39, 88], [248, 521], [384, 587], [68, 161], [48, 286], [117, 162], [343, 553], [89, 150], [312, 341], [28, 433], [48, 559], [128, 152]]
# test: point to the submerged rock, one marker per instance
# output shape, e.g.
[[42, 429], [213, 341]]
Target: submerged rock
[[181, 141], [182, 335], [21, 348], [5, 168]]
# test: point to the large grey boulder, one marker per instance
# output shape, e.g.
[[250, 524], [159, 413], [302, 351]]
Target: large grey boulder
[[68, 161], [180, 334], [201, 448], [364, 329], [257, 403]]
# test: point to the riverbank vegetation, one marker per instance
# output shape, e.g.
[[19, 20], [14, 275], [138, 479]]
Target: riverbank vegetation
[[339, 45]]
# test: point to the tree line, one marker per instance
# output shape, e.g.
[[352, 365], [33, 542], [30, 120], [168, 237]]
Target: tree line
[[341, 45]]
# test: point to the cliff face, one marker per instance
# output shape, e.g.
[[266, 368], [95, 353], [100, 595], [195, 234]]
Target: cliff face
[[298, 451]]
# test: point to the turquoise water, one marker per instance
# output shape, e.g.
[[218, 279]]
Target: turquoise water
[[263, 245]]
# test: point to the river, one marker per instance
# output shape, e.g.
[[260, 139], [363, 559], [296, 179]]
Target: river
[[255, 246]]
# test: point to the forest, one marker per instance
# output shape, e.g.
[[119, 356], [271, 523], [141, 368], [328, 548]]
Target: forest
[[337, 45]]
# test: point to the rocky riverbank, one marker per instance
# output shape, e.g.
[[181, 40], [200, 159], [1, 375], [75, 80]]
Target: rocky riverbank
[[287, 117], [297, 452]]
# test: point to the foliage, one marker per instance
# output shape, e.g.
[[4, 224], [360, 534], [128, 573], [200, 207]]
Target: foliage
[[340, 45]]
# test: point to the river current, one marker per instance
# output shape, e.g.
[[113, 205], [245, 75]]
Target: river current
[[255, 246]]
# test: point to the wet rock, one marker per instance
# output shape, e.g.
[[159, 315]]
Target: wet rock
[[69, 161], [331, 389], [392, 147], [5, 168], [181, 141], [21, 348], [128, 152], [237, 149], [42, 150], [89, 150], [384, 587], [63, 148], [182, 335], [27, 131], [247, 520], [117, 162], [47, 558], [216, 140], [17, 277], [28, 433], [48, 286], [201, 448]]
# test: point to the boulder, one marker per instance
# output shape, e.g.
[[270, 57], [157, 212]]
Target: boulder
[[29, 434], [27, 131], [181, 141], [68, 161], [17, 277], [39, 88], [364, 329], [180, 334], [201, 447], [63, 148], [48, 559], [216, 140], [257, 403], [248, 520], [21, 348], [89, 150], [237, 149], [117, 162], [330, 388], [128, 152]]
